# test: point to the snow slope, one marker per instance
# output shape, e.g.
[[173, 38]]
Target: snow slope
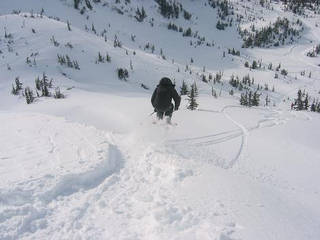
[[94, 166]]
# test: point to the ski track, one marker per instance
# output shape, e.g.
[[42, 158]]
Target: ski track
[[272, 118]]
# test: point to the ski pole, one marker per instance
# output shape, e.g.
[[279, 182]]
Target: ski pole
[[152, 113]]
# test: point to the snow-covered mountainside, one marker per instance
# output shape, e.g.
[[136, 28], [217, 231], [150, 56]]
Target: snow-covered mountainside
[[82, 157]]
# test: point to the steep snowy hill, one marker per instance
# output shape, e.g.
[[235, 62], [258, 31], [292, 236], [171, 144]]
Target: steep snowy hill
[[93, 165]]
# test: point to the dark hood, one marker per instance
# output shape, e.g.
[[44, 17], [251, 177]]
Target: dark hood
[[165, 82]]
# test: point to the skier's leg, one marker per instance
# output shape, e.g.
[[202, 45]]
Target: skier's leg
[[160, 115], [168, 113]]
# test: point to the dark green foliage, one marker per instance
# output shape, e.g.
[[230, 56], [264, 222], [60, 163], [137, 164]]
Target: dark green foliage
[[54, 41], [234, 81], [299, 102], [28, 93], [192, 97], [314, 52], [38, 84], [93, 29], [14, 91], [169, 9], [116, 42], [108, 58], [140, 14], [299, 6], [187, 33], [284, 72], [66, 61], [254, 64], [246, 64], [58, 93], [68, 26], [217, 78], [184, 88], [101, 59], [68, 45], [45, 86], [18, 84], [88, 4], [7, 35], [123, 74], [233, 52], [76, 4], [302, 102], [225, 9], [172, 26], [221, 25], [204, 78], [250, 99], [187, 15], [281, 31]]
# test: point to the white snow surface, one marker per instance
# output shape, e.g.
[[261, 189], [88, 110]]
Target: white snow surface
[[95, 166]]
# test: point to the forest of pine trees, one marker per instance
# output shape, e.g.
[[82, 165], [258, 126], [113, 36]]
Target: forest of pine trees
[[276, 34], [250, 98], [302, 102], [299, 6]]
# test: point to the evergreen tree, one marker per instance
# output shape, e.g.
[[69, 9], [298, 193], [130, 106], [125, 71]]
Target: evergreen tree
[[192, 98], [255, 99], [196, 93], [244, 99], [140, 15], [306, 103], [28, 95], [88, 3], [58, 93], [298, 101], [18, 84], [69, 26], [14, 91], [254, 64], [108, 58], [123, 74], [38, 84], [184, 88], [313, 106], [76, 4]]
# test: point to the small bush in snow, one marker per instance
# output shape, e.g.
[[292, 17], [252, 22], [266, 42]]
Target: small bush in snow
[[140, 14], [66, 61], [284, 72], [123, 73], [58, 93]]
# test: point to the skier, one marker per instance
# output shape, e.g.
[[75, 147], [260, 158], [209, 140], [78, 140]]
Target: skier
[[162, 97]]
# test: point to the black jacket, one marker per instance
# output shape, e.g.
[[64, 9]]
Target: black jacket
[[163, 95]]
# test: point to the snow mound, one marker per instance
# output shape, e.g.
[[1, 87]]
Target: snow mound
[[44, 161]]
